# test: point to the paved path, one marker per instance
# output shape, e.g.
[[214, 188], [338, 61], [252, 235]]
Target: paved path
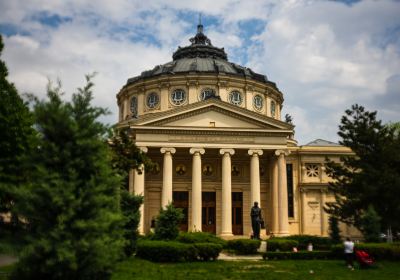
[[228, 257], [7, 260]]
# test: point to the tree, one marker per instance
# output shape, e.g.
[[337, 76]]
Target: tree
[[71, 204], [370, 225], [372, 175], [167, 223], [334, 231], [16, 139]]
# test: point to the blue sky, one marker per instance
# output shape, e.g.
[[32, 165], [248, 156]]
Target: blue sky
[[323, 55]]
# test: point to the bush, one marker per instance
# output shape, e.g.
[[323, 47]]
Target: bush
[[208, 251], [165, 251], [167, 223], [318, 242], [302, 255], [379, 251], [200, 237], [244, 246], [275, 244], [172, 251]]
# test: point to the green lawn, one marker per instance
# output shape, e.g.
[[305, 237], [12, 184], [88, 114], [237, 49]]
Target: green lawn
[[254, 270]]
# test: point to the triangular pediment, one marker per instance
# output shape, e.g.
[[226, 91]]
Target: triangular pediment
[[211, 113]]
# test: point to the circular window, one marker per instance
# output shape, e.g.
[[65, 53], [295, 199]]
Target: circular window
[[134, 106], [152, 100], [273, 108], [235, 98], [207, 170], [178, 96], [258, 102], [207, 93]]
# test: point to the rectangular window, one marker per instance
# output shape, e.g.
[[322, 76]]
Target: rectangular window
[[289, 177]]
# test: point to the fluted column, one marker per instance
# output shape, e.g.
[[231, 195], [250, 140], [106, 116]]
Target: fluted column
[[196, 188], [303, 210], [275, 198], [166, 195], [255, 176], [226, 228], [139, 190], [282, 193], [323, 214]]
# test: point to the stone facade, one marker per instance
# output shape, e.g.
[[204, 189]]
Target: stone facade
[[216, 136]]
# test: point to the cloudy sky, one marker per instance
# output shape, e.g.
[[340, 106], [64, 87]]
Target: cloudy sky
[[323, 55]]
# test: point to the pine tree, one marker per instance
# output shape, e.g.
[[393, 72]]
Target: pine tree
[[372, 175], [16, 139], [334, 231], [167, 223], [370, 225], [71, 204]]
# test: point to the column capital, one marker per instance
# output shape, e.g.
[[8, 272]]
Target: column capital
[[143, 149], [280, 152], [255, 152], [229, 151], [197, 150], [168, 150]]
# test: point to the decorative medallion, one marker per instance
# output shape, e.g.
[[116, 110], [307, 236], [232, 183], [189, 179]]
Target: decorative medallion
[[312, 170], [152, 100], [180, 169], [178, 97], [156, 169], [235, 97], [258, 102], [235, 170], [207, 170]]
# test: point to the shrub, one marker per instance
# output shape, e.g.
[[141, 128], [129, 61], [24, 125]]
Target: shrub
[[167, 223], [379, 251], [208, 251], [275, 244], [302, 255], [200, 237], [318, 242], [244, 246], [165, 251]]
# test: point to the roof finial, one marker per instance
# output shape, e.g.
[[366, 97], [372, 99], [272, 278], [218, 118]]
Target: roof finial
[[200, 26]]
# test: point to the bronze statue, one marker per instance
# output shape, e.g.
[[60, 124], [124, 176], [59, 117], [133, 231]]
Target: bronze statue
[[256, 220]]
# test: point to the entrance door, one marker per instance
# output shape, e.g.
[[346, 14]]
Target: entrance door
[[237, 213], [208, 212], [181, 200]]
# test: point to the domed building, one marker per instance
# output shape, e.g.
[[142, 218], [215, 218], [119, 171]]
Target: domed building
[[214, 131]]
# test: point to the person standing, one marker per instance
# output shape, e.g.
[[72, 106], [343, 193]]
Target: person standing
[[256, 220], [349, 252]]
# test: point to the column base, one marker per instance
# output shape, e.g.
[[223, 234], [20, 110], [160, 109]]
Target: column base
[[225, 234], [280, 234]]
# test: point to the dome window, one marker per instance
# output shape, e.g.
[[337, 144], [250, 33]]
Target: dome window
[[273, 108], [207, 93], [152, 100], [258, 102], [134, 106], [178, 97], [235, 97]]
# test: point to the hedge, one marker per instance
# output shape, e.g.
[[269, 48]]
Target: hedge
[[172, 251], [244, 246], [301, 255], [200, 237], [379, 251], [318, 242], [278, 244]]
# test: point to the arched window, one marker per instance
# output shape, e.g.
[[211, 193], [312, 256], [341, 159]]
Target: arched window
[[207, 93], [134, 106], [258, 102], [273, 109], [152, 100]]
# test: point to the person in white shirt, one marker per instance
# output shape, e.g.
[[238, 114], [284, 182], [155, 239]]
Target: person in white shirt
[[349, 252]]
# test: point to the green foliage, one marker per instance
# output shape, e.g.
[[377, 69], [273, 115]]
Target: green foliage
[[172, 251], [208, 251], [334, 231], [72, 201], [372, 175], [16, 140], [167, 223], [301, 255], [244, 246], [130, 209], [370, 225], [278, 244], [318, 242], [379, 251], [200, 237]]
